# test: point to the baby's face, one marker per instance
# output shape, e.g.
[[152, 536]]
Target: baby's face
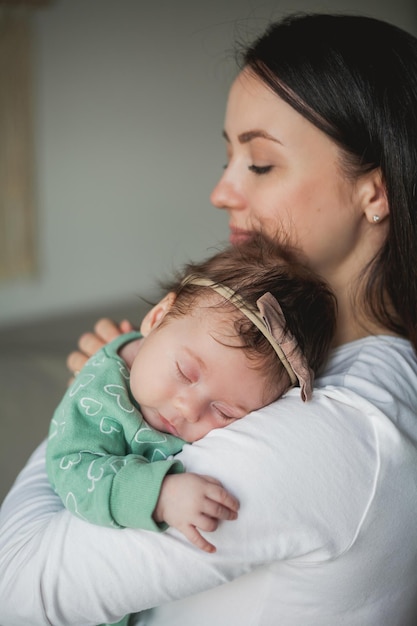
[[188, 382]]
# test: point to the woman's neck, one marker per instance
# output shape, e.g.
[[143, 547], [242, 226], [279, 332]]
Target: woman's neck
[[352, 320], [348, 281]]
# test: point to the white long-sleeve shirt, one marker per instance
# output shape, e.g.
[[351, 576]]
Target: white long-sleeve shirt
[[326, 533]]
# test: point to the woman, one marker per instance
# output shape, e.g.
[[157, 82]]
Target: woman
[[321, 135]]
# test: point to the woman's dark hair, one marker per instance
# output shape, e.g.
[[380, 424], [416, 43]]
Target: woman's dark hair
[[252, 269], [355, 78]]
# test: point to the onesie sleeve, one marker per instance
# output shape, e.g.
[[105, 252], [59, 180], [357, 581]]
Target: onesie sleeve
[[102, 470]]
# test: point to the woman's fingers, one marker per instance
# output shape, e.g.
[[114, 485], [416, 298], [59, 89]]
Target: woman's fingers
[[76, 361], [126, 326], [90, 343], [106, 330]]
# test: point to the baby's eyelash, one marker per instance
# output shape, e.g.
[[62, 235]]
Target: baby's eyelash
[[181, 374], [223, 415]]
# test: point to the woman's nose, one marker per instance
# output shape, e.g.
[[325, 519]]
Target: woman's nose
[[225, 194]]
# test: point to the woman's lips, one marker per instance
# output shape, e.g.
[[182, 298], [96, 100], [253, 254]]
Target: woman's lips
[[238, 235]]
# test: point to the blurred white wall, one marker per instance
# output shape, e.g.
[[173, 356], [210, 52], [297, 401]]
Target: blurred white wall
[[128, 112]]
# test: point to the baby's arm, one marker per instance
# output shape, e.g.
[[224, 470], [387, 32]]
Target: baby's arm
[[99, 449], [189, 502]]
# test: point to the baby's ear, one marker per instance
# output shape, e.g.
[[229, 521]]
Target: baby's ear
[[155, 316]]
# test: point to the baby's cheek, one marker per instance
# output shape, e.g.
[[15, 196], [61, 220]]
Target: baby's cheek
[[136, 386]]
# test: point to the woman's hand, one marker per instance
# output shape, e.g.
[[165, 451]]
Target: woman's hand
[[105, 330], [191, 502]]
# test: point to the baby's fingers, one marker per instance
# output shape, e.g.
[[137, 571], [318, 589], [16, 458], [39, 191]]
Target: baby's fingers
[[221, 503], [193, 535], [214, 510]]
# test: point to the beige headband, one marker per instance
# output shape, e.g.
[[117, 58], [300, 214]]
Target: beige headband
[[270, 320]]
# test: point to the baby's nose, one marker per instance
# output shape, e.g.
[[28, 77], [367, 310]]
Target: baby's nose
[[190, 408]]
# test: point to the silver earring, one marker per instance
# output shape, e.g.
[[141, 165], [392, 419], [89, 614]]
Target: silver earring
[[375, 219]]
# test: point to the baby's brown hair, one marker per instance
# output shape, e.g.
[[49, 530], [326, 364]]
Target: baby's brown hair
[[252, 269]]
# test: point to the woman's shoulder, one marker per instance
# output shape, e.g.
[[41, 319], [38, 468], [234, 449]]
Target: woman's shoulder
[[387, 351], [365, 382], [365, 401], [380, 371]]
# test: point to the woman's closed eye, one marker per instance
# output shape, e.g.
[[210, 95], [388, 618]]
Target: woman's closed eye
[[255, 169], [260, 169]]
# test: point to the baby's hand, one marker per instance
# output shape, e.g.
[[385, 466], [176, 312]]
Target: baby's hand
[[190, 502]]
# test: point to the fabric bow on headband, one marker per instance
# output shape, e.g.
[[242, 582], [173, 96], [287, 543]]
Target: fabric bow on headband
[[270, 320]]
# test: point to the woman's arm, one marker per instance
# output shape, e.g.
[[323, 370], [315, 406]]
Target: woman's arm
[[57, 569]]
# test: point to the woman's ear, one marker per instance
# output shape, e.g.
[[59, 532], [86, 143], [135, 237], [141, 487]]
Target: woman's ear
[[373, 196], [155, 316]]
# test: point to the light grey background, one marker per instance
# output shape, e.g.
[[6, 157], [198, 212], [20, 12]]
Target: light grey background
[[128, 112]]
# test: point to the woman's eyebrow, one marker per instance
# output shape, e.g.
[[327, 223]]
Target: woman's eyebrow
[[249, 135]]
